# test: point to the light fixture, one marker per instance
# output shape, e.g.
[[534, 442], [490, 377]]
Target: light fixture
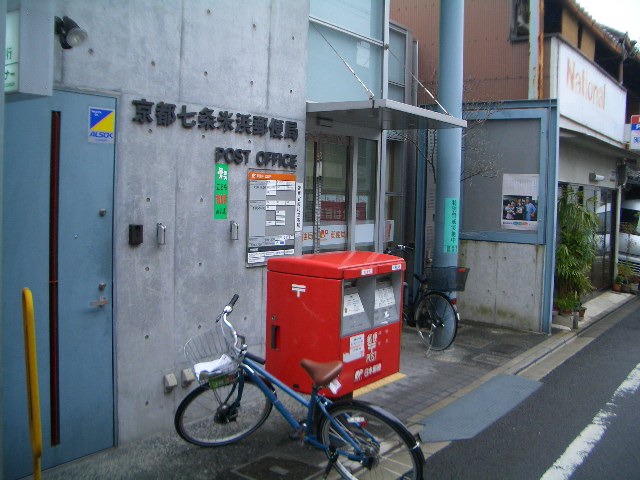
[[594, 177], [69, 33]]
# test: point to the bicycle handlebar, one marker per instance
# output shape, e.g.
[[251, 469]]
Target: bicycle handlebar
[[402, 248], [234, 299], [223, 315]]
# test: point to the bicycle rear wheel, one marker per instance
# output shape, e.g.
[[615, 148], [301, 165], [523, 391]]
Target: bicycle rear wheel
[[436, 320], [225, 413], [389, 449]]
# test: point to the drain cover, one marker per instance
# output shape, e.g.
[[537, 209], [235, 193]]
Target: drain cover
[[504, 348], [276, 467], [489, 359]]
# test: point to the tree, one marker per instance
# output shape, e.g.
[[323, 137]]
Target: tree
[[576, 247]]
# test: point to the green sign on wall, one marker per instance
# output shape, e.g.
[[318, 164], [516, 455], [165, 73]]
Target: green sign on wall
[[222, 191], [451, 217]]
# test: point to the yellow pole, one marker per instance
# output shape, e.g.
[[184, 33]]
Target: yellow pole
[[33, 393]]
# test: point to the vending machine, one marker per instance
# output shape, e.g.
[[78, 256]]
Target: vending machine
[[334, 306]]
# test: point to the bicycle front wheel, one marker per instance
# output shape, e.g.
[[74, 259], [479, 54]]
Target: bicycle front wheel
[[384, 448], [225, 413], [436, 320]]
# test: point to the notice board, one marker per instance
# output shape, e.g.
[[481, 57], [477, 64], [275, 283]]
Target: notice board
[[274, 213]]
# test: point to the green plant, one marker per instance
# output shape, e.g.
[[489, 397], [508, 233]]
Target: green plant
[[568, 303], [576, 246], [624, 273]]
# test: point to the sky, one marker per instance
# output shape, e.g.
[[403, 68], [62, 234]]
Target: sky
[[623, 15]]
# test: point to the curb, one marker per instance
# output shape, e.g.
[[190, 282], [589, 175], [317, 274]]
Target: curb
[[516, 366]]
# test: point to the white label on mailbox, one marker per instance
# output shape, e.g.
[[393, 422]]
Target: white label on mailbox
[[352, 304], [384, 297], [396, 267], [366, 271], [356, 349]]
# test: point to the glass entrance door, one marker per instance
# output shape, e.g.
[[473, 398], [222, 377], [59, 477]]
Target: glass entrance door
[[340, 194]]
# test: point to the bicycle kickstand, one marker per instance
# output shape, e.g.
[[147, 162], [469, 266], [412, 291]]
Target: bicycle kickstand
[[333, 456]]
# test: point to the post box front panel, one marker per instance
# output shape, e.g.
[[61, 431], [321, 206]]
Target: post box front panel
[[370, 356], [303, 321]]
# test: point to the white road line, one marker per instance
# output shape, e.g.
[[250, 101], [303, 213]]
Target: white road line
[[581, 447]]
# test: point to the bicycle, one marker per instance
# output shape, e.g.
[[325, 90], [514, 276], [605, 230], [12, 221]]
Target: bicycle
[[236, 395], [433, 313]]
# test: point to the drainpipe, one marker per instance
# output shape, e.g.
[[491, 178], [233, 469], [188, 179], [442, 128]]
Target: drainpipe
[[449, 147], [536, 48]]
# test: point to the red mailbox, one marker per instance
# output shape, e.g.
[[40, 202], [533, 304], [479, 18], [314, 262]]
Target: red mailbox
[[334, 306]]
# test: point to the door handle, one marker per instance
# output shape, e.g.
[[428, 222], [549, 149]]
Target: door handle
[[101, 302]]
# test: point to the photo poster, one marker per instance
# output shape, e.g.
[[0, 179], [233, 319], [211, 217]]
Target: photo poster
[[520, 201]]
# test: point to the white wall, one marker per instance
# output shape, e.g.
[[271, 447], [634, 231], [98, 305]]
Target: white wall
[[244, 57], [578, 160]]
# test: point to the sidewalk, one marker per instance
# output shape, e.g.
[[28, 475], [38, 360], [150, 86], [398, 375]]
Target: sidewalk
[[426, 384]]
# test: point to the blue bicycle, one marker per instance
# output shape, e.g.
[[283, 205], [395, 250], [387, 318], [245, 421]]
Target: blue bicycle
[[236, 395]]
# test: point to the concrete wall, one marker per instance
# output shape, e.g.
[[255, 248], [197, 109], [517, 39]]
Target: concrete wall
[[242, 57], [505, 284]]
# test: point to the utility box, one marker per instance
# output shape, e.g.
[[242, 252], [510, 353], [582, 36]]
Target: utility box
[[334, 306]]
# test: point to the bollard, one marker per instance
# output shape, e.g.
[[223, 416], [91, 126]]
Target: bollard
[[33, 393]]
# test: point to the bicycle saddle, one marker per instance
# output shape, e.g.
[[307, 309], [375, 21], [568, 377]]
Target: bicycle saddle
[[321, 373]]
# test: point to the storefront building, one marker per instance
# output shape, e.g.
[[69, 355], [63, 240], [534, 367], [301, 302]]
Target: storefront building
[[156, 167], [547, 107]]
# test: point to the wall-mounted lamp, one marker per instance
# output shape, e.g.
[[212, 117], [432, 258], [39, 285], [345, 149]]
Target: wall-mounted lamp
[[594, 177], [69, 33]]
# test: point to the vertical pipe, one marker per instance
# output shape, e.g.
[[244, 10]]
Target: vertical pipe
[[3, 23], [53, 278], [449, 148], [533, 49], [536, 49], [540, 49]]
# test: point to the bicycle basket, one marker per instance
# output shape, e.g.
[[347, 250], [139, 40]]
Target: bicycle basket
[[446, 279], [210, 355]]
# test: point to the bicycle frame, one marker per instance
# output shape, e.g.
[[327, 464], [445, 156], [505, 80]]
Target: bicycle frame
[[258, 374]]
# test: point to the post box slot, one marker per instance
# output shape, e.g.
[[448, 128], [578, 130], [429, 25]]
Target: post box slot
[[387, 301]]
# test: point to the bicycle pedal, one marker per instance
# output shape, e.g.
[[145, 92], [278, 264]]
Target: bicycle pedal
[[298, 433]]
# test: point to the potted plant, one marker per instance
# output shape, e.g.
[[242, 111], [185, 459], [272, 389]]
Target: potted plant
[[566, 304], [625, 274], [576, 247], [617, 284]]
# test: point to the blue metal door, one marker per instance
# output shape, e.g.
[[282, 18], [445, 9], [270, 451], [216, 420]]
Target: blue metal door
[[58, 217]]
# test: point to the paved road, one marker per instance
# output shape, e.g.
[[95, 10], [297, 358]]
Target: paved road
[[583, 423]]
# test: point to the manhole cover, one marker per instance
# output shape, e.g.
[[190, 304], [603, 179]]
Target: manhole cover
[[504, 348], [272, 467]]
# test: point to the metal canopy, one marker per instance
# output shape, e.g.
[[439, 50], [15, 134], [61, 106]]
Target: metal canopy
[[381, 114]]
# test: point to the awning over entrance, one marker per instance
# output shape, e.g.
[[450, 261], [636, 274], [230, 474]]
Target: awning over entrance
[[381, 114]]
